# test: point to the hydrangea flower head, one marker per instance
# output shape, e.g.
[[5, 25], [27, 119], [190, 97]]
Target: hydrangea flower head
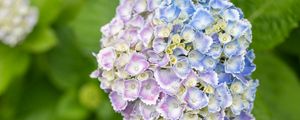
[[178, 59], [17, 19]]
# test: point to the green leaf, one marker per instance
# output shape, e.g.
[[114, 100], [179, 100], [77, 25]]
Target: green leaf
[[94, 14], [291, 45], [39, 98], [13, 64], [272, 20], [278, 95], [40, 40], [261, 110], [48, 10], [69, 107], [70, 10], [9, 100], [68, 68], [106, 112], [90, 91]]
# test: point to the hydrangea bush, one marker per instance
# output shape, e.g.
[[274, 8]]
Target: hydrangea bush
[[17, 19], [178, 59]]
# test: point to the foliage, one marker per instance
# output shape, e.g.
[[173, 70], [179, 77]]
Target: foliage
[[45, 77], [272, 20]]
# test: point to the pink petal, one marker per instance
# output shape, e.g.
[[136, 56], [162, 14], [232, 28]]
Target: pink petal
[[106, 58]]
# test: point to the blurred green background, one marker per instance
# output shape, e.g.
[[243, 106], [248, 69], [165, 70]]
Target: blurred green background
[[47, 77]]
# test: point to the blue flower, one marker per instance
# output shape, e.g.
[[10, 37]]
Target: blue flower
[[195, 98], [231, 14], [209, 63], [210, 77], [234, 64], [223, 95], [201, 19], [169, 13], [195, 59], [225, 78], [237, 28], [188, 33], [178, 52], [182, 68], [204, 2], [202, 42], [232, 48], [186, 6], [219, 4], [249, 67], [215, 51]]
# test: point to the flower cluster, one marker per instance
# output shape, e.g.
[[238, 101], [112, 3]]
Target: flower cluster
[[17, 19], [178, 59]]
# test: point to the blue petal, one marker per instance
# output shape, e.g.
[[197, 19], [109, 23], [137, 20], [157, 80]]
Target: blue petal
[[249, 67], [220, 4], [231, 14], [232, 48], [204, 2], [167, 2], [195, 58], [214, 104], [179, 52], [241, 78], [238, 105], [215, 38], [245, 116], [244, 43], [237, 87], [153, 4], [224, 95], [188, 33], [202, 42], [251, 90], [209, 63], [186, 5], [195, 98], [177, 28], [201, 19], [250, 54], [225, 78], [240, 12], [210, 77], [169, 13], [237, 28], [220, 68], [234, 64], [215, 51], [248, 35], [182, 68]]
